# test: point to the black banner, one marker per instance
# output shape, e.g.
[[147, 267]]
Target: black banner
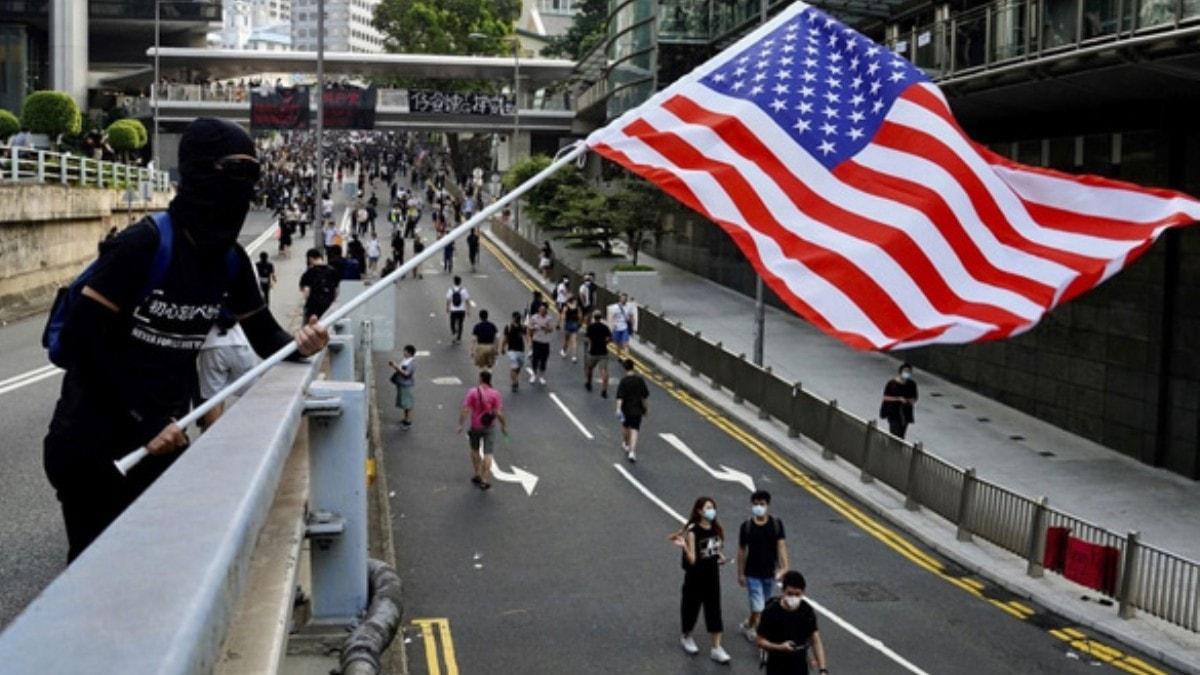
[[281, 108], [349, 108], [459, 103]]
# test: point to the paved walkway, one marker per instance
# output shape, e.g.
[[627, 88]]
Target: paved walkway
[[1078, 476]]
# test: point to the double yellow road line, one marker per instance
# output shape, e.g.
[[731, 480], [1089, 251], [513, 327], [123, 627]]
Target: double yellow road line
[[434, 631], [862, 520]]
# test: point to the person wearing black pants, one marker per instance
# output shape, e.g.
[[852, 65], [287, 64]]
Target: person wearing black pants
[[702, 540], [457, 306]]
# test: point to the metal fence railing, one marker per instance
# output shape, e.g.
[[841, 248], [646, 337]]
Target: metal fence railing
[[1145, 578], [43, 166]]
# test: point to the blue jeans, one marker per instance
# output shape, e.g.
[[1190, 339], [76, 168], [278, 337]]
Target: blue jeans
[[760, 590]]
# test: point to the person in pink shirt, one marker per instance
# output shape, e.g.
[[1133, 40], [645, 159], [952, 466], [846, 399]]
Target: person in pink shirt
[[483, 407]]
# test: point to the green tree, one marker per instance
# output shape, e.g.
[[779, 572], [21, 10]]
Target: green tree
[[53, 113], [550, 199], [586, 31], [445, 26], [126, 135], [9, 124], [635, 211]]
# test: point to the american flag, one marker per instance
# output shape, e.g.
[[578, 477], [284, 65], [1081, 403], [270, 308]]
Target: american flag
[[842, 175]]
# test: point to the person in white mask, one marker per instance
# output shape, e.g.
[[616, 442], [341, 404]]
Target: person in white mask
[[762, 558], [788, 631]]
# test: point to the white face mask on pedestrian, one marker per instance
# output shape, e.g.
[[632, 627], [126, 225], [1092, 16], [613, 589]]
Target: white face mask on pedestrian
[[710, 514], [790, 601], [759, 510]]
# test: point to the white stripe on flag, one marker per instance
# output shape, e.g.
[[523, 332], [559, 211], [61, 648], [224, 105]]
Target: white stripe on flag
[[1092, 200]]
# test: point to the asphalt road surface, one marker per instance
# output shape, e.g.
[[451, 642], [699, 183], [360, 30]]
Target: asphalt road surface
[[578, 576], [33, 544]]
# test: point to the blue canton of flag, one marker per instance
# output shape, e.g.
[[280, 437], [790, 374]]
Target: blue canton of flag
[[828, 86]]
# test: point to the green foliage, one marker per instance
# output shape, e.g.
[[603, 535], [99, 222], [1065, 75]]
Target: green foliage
[[53, 113], [555, 203], [9, 124], [127, 135], [585, 32], [445, 26]]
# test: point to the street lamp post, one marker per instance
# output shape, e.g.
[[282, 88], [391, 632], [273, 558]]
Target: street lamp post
[[760, 306], [154, 85], [319, 195], [516, 88]]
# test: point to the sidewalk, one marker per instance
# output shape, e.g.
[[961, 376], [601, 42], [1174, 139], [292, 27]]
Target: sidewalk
[[1077, 475]]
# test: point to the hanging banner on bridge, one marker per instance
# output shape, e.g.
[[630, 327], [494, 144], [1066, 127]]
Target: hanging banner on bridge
[[279, 108], [459, 103], [349, 107]]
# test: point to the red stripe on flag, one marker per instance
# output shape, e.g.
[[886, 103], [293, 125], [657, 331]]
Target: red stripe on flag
[[674, 186], [835, 268], [894, 241]]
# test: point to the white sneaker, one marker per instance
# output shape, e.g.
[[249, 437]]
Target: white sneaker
[[689, 645], [633, 457], [574, 359], [562, 353], [530, 371], [719, 655], [749, 633], [541, 380], [532, 377]]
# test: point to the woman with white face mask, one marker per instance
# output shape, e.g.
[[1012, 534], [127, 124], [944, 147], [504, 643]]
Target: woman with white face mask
[[702, 540], [899, 397], [788, 630]]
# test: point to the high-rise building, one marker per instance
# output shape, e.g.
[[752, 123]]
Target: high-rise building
[[347, 26], [242, 19]]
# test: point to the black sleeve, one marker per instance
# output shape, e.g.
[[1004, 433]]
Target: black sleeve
[[306, 279], [124, 266], [265, 334], [245, 296]]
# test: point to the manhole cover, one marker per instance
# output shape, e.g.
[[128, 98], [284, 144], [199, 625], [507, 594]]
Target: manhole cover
[[866, 591]]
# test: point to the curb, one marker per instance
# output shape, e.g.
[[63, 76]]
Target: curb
[[979, 558]]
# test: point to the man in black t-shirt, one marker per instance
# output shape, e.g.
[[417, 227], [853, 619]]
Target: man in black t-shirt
[[597, 336], [133, 349], [513, 344], [761, 557], [319, 284], [632, 393], [788, 629], [483, 338], [266, 276]]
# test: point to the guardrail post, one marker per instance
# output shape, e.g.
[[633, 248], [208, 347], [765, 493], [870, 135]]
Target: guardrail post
[[912, 481], [765, 375], [793, 429], [738, 368], [63, 167], [678, 333], [865, 475], [716, 379], [1128, 581], [16, 162], [966, 499], [337, 519], [41, 166], [1036, 548], [830, 411], [694, 361], [100, 173], [83, 172], [341, 357]]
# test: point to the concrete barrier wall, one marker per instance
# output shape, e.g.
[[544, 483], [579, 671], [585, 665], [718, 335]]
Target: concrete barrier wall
[[48, 234]]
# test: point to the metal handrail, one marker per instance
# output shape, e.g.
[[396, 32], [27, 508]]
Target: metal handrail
[[18, 164], [1159, 583]]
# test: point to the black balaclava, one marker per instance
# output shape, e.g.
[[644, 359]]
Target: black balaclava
[[211, 206]]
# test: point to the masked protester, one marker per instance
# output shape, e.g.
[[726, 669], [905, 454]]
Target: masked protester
[[133, 339]]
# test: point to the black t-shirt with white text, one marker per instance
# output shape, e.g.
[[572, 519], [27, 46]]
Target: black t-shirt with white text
[[779, 625], [708, 551]]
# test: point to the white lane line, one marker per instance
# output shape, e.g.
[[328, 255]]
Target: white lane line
[[6, 388], [650, 495], [579, 425], [262, 238], [871, 642], [31, 373]]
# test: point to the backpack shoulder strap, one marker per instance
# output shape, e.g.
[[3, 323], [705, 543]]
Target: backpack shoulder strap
[[162, 255]]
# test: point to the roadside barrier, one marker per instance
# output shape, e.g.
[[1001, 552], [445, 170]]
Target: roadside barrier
[[1144, 577], [43, 166]]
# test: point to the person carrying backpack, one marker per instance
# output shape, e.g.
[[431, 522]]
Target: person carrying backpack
[[457, 306], [129, 329], [761, 558], [483, 406]]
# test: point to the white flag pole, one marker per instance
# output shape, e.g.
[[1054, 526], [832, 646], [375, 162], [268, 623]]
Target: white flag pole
[[131, 460]]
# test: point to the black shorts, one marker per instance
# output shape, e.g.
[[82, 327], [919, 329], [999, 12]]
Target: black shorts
[[632, 422]]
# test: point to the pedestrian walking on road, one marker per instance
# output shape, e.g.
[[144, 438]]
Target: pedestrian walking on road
[[761, 558], [483, 407], [541, 331], [537, 301], [546, 261], [587, 294], [632, 393], [570, 318], [597, 338], [418, 248], [483, 342], [405, 380], [473, 248], [266, 276], [789, 629], [622, 316], [318, 284], [448, 257], [374, 251], [457, 307], [702, 540], [899, 396], [513, 344], [561, 292]]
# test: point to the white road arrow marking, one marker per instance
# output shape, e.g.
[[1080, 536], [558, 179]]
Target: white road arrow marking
[[518, 475], [726, 473]]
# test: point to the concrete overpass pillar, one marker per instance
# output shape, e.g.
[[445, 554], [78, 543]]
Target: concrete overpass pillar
[[69, 48], [516, 148]]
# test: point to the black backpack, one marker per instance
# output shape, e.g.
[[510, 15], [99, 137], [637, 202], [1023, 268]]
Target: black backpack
[[456, 297]]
